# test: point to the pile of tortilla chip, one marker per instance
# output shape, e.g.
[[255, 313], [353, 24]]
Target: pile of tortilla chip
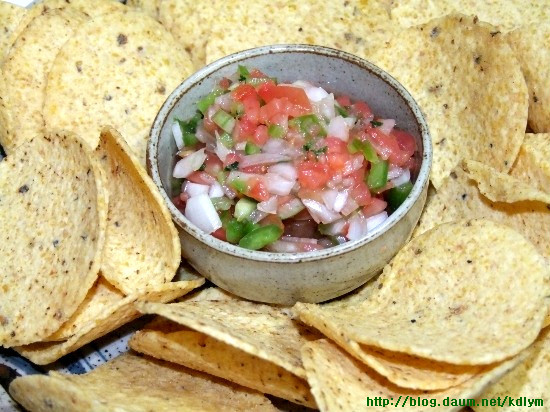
[[459, 316]]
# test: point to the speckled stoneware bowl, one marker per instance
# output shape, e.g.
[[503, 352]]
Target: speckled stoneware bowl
[[286, 278]]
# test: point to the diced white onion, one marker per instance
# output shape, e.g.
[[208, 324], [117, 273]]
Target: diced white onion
[[189, 164], [286, 170], [335, 228], [221, 150], [224, 101], [387, 125], [201, 212], [338, 128], [257, 215], [350, 121], [202, 135], [402, 179], [340, 201], [352, 165], [268, 206], [357, 227], [262, 159], [195, 189], [240, 146], [280, 146], [215, 190], [394, 171], [277, 184], [350, 206], [325, 107], [329, 197], [316, 94], [178, 135], [230, 193], [290, 208], [319, 212], [376, 220], [245, 177]]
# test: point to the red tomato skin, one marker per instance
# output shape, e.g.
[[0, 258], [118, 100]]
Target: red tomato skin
[[295, 95], [361, 109], [252, 109], [201, 178], [244, 91], [258, 191], [220, 234], [405, 140], [244, 129], [343, 101], [213, 164], [387, 146], [313, 175], [260, 135]]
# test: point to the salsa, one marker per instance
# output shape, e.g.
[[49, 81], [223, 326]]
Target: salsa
[[288, 167]]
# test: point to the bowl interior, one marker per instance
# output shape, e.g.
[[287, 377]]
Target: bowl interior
[[336, 71]]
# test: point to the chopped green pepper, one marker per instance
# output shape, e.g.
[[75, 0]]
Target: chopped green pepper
[[374, 123], [189, 128], [397, 195], [251, 148], [244, 74], [222, 203], [234, 231], [226, 140], [224, 120], [378, 175], [276, 131], [244, 208], [208, 100], [239, 185], [232, 166], [341, 111], [261, 237], [308, 123], [365, 147]]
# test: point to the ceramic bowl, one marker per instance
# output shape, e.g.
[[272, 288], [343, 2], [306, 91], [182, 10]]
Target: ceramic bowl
[[285, 278]]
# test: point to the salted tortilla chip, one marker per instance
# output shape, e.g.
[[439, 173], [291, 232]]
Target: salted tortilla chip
[[169, 341], [135, 383], [419, 312], [53, 210], [501, 187], [529, 379], [533, 162], [353, 26], [142, 247], [117, 70], [459, 198], [261, 330], [105, 311], [26, 68], [150, 7], [10, 16], [210, 293], [530, 44], [505, 15], [470, 87], [340, 383]]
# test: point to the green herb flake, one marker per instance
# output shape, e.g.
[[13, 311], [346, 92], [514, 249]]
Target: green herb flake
[[232, 166], [374, 123]]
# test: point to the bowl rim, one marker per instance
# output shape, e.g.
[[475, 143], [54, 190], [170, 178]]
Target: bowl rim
[[280, 257]]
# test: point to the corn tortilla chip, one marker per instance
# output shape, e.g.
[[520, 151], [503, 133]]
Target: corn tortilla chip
[[530, 44], [501, 187], [210, 293], [106, 310], [142, 247], [459, 198], [116, 70], [533, 162], [150, 7], [135, 383], [25, 70], [260, 330], [340, 383], [53, 208], [444, 318], [169, 341], [469, 85], [505, 15], [10, 16], [529, 379], [355, 26]]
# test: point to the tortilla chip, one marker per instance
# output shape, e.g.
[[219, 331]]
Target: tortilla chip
[[26, 69], [118, 69], [505, 15], [145, 384], [142, 247], [533, 162], [459, 198], [339, 383], [169, 341], [470, 87], [355, 297], [150, 7], [501, 187], [210, 293], [419, 312], [355, 26], [528, 379], [93, 321], [530, 43], [264, 331], [53, 210], [10, 16]]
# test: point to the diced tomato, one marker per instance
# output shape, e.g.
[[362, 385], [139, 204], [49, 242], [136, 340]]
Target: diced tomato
[[258, 191], [260, 135], [213, 164], [312, 174], [243, 92], [252, 109], [405, 141], [257, 74], [179, 203], [295, 95], [361, 109], [361, 193], [231, 158], [244, 129], [274, 108], [202, 178], [374, 207], [209, 125], [272, 220], [343, 101], [280, 119], [220, 234], [387, 147], [337, 153], [224, 83], [256, 169]]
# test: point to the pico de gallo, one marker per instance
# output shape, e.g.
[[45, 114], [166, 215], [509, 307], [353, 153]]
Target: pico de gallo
[[288, 167]]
